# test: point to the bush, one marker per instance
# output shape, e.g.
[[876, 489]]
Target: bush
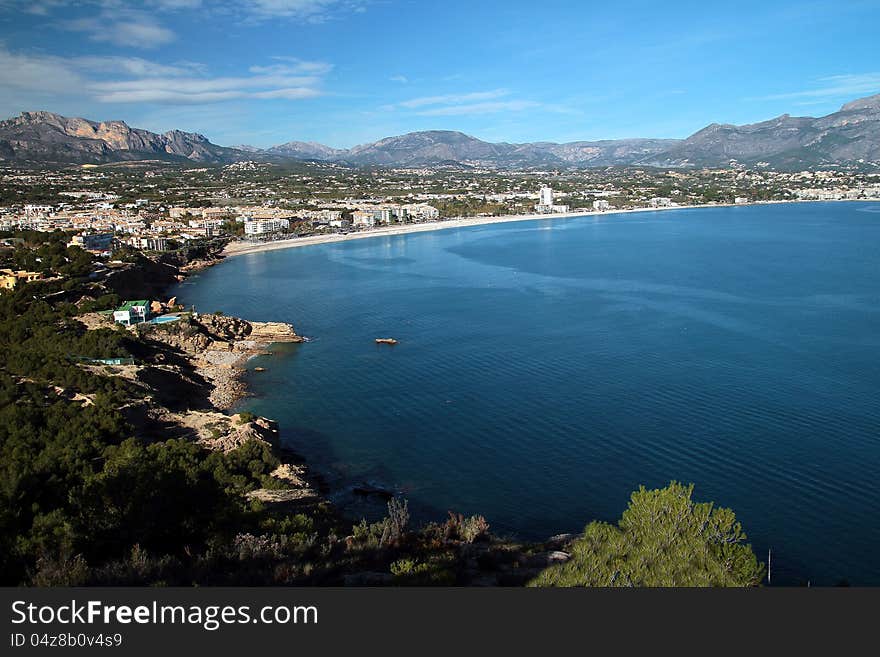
[[662, 539], [435, 572], [245, 417], [464, 529]]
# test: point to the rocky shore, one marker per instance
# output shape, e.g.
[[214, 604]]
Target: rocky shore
[[190, 371], [220, 352], [189, 375]]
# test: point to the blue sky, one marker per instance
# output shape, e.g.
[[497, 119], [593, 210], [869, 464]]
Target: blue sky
[[343, 72]]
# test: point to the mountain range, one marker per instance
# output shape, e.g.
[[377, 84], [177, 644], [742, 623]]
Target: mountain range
[[850, 136], [48, 137]]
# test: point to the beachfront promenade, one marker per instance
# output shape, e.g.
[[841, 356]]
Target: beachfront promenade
[[243, 247]]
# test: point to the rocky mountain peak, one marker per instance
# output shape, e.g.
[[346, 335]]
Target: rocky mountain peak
[[869, 103], [46, 136], [851, 135]]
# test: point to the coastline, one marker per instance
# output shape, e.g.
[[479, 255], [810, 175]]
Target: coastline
[[241, 248], [202, 359], [244, 248], [226, 369], [223, 362], [216, 357]]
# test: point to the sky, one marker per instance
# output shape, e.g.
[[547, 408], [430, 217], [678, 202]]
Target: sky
[[344, 72]]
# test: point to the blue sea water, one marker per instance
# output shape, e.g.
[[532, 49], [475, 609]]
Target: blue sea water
[[546, 369]]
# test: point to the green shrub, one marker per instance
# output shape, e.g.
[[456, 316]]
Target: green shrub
[[245, 417], [664, 538]]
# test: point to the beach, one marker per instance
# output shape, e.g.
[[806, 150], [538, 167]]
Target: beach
[[242, 247], [717, 346]]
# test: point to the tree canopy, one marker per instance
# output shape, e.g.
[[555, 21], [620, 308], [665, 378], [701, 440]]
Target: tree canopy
[[663, 538]]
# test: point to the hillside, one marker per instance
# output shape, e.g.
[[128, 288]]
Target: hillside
[[48, 137], [848, 137]]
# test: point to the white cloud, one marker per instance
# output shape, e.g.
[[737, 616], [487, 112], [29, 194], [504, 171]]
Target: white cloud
[[190, 90], [43, 74], [174, 5], [451, 99], [308, 10], [294, 93], [35, 7], [476, 102], [120, 22], [293, 66], [123, 27], [135, 66], [174, 97], [848, 86], [32, 79], [399, 78], [480, 108], [129, 23]]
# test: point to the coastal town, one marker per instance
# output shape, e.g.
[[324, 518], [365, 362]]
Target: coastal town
[[152, 207], [89, 261], [193, 217], [360, 294], [198, 215]]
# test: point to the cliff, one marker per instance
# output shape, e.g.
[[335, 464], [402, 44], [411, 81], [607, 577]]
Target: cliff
[[189, 373], [50, 137]]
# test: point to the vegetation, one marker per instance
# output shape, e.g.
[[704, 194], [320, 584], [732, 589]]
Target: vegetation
[[86, 498], [664, 538]]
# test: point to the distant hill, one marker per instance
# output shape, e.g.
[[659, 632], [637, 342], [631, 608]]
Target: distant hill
[[447, 147], [48, 137], [301, 150], [850, 136]]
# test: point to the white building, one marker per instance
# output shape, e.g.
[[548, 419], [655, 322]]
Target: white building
[[545, 203], [661, 202], [219, 215], [342, 224], [422, 212], [132, 312], [740, 200], [212, 224], [264, 226], [363, 219], [37, 210], [179, 213], [93, 241], [148, 243], [332, 215], [601, 205], [382, 215], [546, 196]]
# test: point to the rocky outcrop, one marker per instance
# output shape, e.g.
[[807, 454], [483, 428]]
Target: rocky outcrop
[[219, 346], [46, 136], [285, 496], [223, 328], [237, 430], [189, 373], [268, 332]]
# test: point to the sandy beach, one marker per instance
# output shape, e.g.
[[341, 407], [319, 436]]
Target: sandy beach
[[242, 247]]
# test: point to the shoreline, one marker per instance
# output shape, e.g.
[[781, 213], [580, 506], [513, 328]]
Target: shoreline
[[235, 383], [222, 361], [239, 247], [216, 354]]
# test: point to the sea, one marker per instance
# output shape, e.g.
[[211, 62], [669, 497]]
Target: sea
[[546, 369]]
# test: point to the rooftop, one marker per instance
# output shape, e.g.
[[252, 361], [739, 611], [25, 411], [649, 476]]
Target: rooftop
[[128, 305]]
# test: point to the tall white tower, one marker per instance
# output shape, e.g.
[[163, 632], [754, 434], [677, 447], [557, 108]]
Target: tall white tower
[[546, 196]]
